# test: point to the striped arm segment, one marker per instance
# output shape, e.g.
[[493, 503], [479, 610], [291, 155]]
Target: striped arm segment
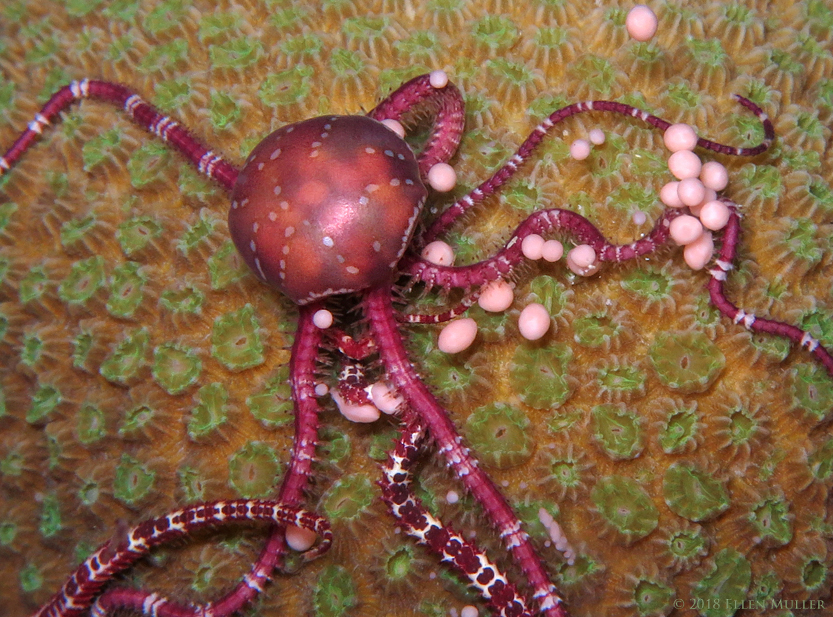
[[141, 112], [464, 556], [78, 593], [527, 148]]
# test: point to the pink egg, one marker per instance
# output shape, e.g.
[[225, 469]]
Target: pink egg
[[691, 191], [395, 126], [384, 398], [698, 253], [552, 250], [685, 229], [439, 253], [496, 296], [362, 413], [582, 260], [684, 164], [299, 539], [597, 137], [680, 137], [639, 217], [442, 177], [580, 149], [457, 336], [533, 247], [714, 215], [438, 79], [534, 321], [322, 319], [714, 175], [641, 23], [668, 195]]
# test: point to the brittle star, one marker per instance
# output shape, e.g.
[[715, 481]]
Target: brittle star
[[326, 210]]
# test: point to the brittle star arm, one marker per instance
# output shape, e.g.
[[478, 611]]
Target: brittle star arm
[[113, 557], [464, 556], [543, 222], [723, 265], [528, 147], [302, 368], [142, 113], [449, 117], [402, 376], [213, 166]]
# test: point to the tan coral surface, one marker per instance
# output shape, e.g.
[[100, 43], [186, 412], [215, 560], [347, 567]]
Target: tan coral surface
[[143, 368]]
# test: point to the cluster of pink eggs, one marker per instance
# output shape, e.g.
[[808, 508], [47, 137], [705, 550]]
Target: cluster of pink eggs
[[695, 188]]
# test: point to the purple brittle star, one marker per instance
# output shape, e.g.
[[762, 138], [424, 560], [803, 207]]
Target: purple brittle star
[[326, 211]]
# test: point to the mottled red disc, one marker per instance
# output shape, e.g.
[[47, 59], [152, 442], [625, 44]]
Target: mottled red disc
[[326, 206]]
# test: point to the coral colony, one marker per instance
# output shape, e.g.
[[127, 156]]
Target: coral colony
[[327, 211]]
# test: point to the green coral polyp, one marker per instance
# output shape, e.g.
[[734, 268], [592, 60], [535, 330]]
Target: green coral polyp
[[538, 375], [399, 564], [687, 546], [224, 111], [617, 431], [13, 464], [175, 368], [496, 32], [813, 573], [236, 54], [8, 532], [254, 470], [651, 284], [191, 483], [500, 435], [187, 300], [89, 492], [126, 291], [687, 362], [225, 266], [693, 493], [44, 401], [135, 234], [679, 430], [742, 426], [348, 498], [90, 425], [625, 507], [812, 391], [616, 380], [236, 341], [287, 87], [652, 598], [31, 578], [566, 472], [771, 520], [210, 413], [148, 163], [596, 329], [33, 285], [133, 481], [136, 420], [130, 356], [75, 230], [272, 404], [32, 348], [821, 460], [334, 594], [85, 278], [100, 148], [729, 579]]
